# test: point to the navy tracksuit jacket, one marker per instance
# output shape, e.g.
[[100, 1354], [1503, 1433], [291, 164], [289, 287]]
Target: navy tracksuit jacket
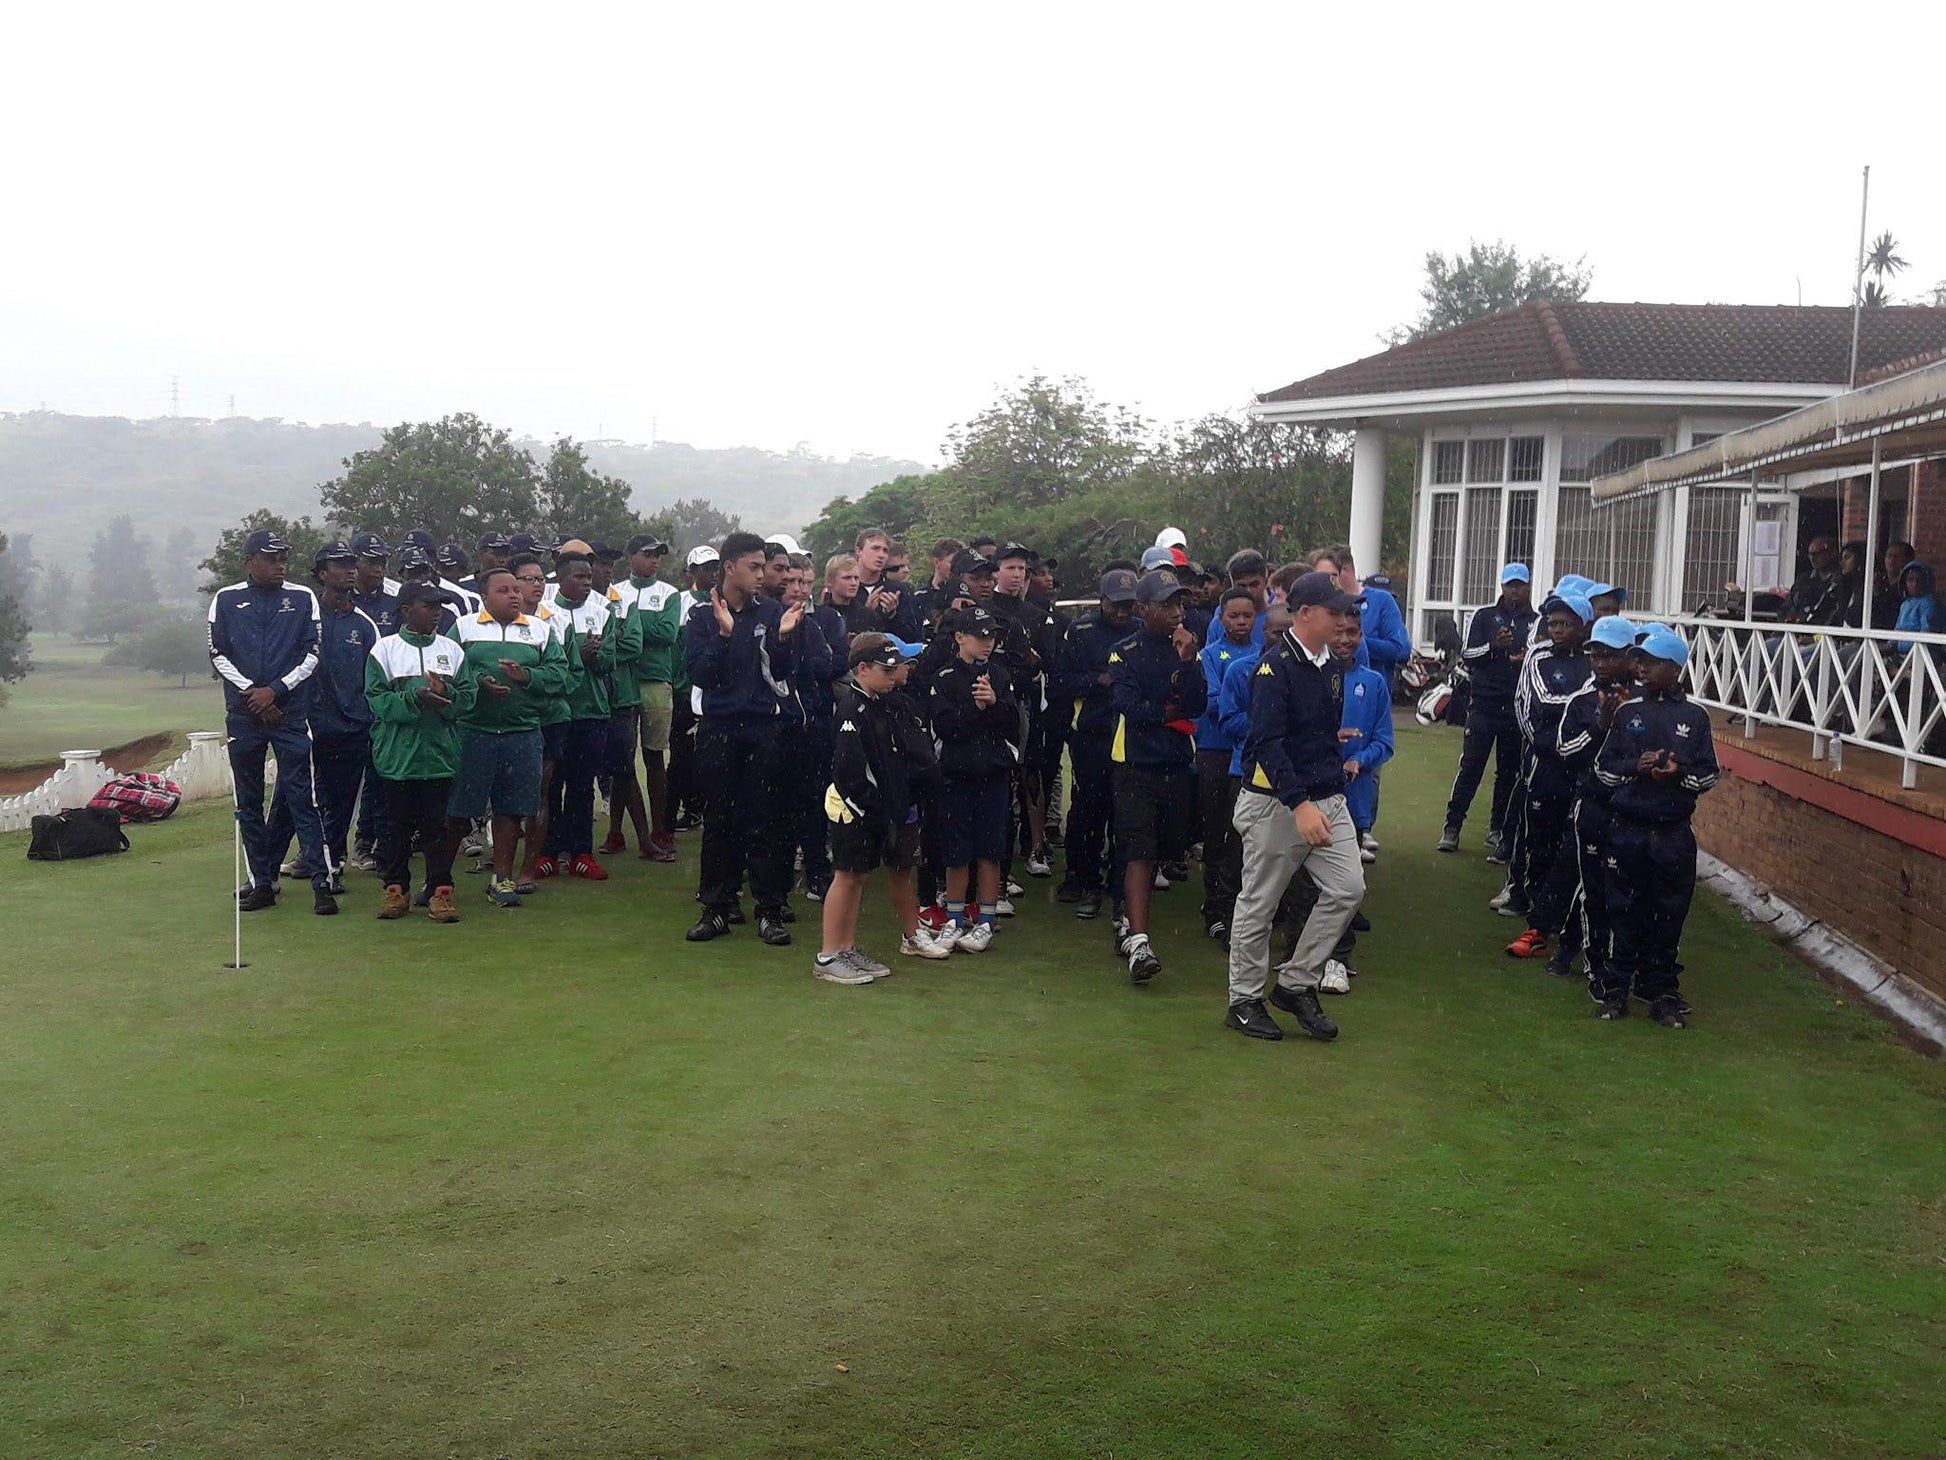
[[341, 732]]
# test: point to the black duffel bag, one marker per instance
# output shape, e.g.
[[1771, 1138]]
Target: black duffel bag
[[86, 831]]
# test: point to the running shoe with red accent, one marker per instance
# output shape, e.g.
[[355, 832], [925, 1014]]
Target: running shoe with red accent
[[586, 866], [545, 867], [1530, 944]]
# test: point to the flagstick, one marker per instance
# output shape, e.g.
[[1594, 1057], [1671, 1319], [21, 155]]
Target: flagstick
[[236, 869]]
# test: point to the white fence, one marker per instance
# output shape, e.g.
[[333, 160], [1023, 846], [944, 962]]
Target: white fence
[[1846, 688], [203, 770]]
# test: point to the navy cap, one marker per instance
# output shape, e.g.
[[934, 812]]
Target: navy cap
[[421, 539], [451, 557], [493, 542], [370, 545], [647, 542], [603, 552], [886, 649], [333, 552], [1321, 590], [262, 541], [972, 562], [411, 593], [1014, 550], [415, 559], [977, 620], [523, 542], [1158, 586], [1118, 586]]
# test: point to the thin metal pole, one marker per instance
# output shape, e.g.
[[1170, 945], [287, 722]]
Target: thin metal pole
[[1745, 668], [1868, 660], [236, 867], [1858, 279]]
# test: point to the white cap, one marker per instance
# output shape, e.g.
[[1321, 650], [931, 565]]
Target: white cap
[[701, 555], [1171, 537], [785, 541]]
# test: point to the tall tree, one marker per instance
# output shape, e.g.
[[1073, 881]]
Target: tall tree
[[177, 645], [225, 562], [575, 499], [1884, 264], [690, 522], [1486, 279], [179, 572], [456, 477], [896, 506], [1040, 442], [16, 656], [119, 565], [56, 595]]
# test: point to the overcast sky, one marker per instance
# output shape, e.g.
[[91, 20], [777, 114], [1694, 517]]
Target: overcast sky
[[845, 225]]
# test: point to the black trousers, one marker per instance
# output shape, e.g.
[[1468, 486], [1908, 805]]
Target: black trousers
[[803, 772], [1545, 841], [338, 765], [571, 797], [417, 809], [1092, 809], [374, 820], [1586, 924], [684, 798], [743, 828], [1651, 881], [1490, 733], [1216, 799]]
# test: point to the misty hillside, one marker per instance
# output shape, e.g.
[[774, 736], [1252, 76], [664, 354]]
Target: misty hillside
[[62, 477]]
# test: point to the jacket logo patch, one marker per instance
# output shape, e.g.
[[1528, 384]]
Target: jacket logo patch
[[1682, 732], [440, 661], [1635, 722], [284, 605]]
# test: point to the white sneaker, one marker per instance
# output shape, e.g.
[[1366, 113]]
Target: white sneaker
[[976, 939], [1336, 978], [1161, 883], [838, 970], [864, 964], [296, 867], [1501, 898], [363, 861], [1039, 866], [1003, 908], [472, 847], [1013, 888], [1368, 853], [925, 944]]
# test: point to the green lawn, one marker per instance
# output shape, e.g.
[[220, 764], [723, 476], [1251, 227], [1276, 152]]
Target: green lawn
[[70, 700], [553, 1183]]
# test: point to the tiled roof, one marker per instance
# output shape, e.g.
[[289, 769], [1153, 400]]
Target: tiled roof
[[1718, 342]]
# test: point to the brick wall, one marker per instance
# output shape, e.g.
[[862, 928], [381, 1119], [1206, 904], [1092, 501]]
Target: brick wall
[[1927, 510], [1881, 893]]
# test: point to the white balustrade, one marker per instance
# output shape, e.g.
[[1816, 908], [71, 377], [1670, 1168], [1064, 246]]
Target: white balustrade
[[203, 771]]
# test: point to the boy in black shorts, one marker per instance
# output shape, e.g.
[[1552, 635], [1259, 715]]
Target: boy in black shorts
[[883, 755], [977, 722]]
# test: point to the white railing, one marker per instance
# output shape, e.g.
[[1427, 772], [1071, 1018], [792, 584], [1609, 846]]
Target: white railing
[[203, 770], [1846, 688]]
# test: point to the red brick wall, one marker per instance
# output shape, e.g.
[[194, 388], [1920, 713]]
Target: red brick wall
[[1856, 515], [1884, 895], [1927, 528]]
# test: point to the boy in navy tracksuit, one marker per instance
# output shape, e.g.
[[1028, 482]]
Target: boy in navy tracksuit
[[804, 768], [1496, 644], [1081, 680], [263, 640], [1573, 899], [977, 723], [1658, 758], [1158, 693], [1216, 790], [341, 716], [1554, 671]]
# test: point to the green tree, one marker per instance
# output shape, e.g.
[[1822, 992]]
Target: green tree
[[16, 655], [1042, 441], [457, 477], [1487, 279], [690, 522], [56, 594], [897, 506], [225, 562], [1883, 263], [119, 565], [574, 500], [177, 645]]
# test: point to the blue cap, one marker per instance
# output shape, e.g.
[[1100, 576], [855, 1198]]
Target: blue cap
[[1643, 630], [1571, 583], [370, 545], [1597, 590], [264, 540], [1575, 603], [421, 539], [333, 552], [907, 651], [1613, 632], [1158, 557], [1516, 573], [1664, 643]]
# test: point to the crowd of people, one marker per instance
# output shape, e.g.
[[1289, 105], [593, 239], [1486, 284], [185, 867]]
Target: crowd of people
[[823, 727], [1599, 761]]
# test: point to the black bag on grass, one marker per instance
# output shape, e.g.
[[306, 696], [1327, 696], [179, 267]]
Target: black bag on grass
[[87, 831]]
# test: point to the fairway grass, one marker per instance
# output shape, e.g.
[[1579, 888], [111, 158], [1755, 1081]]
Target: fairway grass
[[555, 1183], [71, 701]]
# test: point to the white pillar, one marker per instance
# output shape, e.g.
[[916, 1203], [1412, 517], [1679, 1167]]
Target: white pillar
[[1367, 498]]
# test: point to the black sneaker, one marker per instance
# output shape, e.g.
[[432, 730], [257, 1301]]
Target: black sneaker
[[1068, 891], [1119, 928], [1252, 1018], [735, 915], [256, 899], [1309, 1012], [1612, 1009], [709, 925], [1090, 905], [323, 903], [1449, 839], [1561, 965], [1054, 837], [337, 884], [1218, 930], [1360, 923], [788, 915], [771, 929], [1668, 1012], [1143, 964]]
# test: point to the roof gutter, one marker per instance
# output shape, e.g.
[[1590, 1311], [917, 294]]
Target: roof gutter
[[1349, 410]]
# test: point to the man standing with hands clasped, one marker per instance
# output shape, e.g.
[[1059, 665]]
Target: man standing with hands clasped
[[1291, 814]]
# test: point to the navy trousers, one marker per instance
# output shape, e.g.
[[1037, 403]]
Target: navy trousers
[[1092, 809], [251, 743], [1491, 733], [571, 799], [338, 769], [1651, 881], [743, 829]]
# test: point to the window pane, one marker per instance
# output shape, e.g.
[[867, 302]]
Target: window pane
[[1440, 543], [1710, 545], [1585, 457], [1523, 513], [1479, 583], [1578, 546], [1447, 459], [1525, 454], [1632, 529], [1486, 460]]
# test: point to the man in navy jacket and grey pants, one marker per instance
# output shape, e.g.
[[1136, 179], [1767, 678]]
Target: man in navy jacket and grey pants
[[1291, 814], [263, 640]]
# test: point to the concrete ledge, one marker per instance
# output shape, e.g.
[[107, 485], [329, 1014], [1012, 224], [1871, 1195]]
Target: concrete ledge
[[1917, 1010]]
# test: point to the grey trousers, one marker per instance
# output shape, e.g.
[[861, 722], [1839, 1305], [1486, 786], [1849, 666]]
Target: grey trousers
[[1273, 853]]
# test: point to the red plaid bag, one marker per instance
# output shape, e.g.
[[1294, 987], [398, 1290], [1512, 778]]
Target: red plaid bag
[[139, 796]]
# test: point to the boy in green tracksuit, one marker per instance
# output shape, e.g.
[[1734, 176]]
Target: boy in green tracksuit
[[619, 781], [591, 665], [519, 665], [418, 685], [657, 614]]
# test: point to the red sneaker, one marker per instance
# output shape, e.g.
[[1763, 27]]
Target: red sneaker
[[934, 917], [586, 866], [1530, 944], [614, 842], [659, 849], [546, 867]]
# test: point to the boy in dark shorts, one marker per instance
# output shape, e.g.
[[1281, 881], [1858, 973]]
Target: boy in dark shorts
[[872, 806], [978, 725]]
